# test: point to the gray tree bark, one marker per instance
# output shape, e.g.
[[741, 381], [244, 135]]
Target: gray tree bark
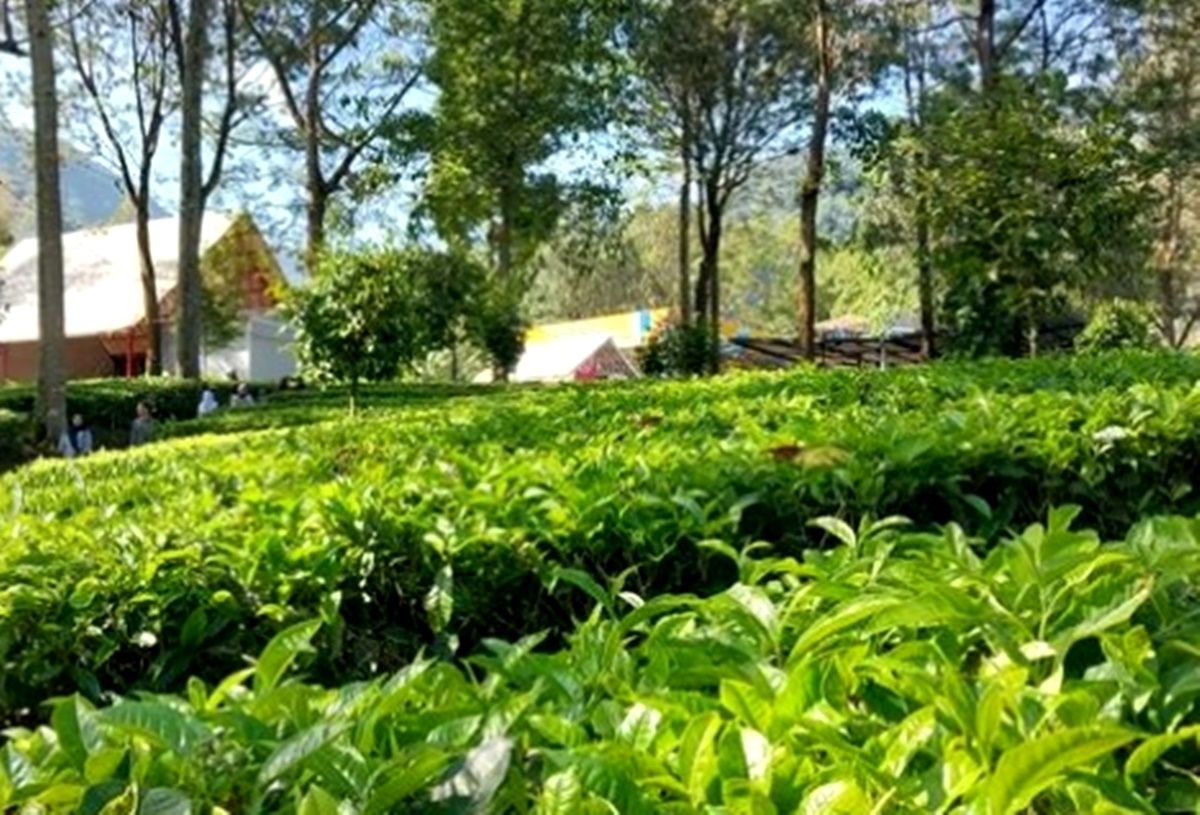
[[685, 224], [810, 195], [191, 196], [51, 389]]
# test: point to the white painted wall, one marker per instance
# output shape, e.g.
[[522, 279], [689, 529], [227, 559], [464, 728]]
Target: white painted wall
[[270, 352], [262, 354]]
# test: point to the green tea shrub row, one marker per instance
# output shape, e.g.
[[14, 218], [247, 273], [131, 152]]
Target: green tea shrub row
[[129, 571], [109, 407], [14, 439], [897, 672]]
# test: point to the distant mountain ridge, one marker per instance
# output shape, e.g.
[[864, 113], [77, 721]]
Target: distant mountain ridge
[[92, 195]]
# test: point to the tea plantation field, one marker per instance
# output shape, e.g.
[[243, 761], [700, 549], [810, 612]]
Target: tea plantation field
[[965, 588]]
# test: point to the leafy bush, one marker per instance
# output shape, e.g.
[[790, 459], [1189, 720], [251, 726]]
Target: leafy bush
[[109, 406], [1118, 325], [496, 326], [1030, 212], [106, 561], [898, 672], [678, 350], [15, 438], [370, 315]]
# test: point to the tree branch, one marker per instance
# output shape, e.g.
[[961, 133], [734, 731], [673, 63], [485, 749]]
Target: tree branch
[[339, 174], [231, 102], [87, 78], [277, 68], [368, 11], [8, 37], [1014, 35], [175, 21]]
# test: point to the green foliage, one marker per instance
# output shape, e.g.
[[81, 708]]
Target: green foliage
[[636, 264], [225, 268], [108, 406], [896, 671], [1118, 324], [368, 316], [15, 438], [128, 572], [517, 81], [495, 324], [679, 350], [1034, 195]]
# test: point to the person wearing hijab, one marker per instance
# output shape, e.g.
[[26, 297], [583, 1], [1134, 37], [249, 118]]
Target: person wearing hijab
[[76, 439], [208, 403]]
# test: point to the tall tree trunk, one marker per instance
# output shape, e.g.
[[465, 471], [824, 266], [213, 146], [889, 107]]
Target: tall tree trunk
[[702, 288], [810, 195], [318, 199], [715, 229], [51, 391], [701, 291], [710, 217], [1167, 255], [502, 241], [685, 226], [149, 291], [985, 45], [925, 282], [504, 235], [1168, 307], [191, 196], [318, 204], [915, 69]]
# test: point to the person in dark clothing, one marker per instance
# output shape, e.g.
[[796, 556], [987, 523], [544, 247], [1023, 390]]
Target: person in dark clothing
[[76, 439]]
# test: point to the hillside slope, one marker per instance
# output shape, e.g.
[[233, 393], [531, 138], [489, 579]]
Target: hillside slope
[[91, 193]]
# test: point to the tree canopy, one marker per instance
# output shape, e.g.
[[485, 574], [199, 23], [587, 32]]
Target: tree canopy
[[972, 167]]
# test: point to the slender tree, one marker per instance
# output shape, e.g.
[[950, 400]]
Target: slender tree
[[192, 56], [190, 40], [1036, 36], [852, 42], [113, 48], [725, 78], [810, 190], [685, 212], [518, 81], [913, 23], [344, 69], [664, 110], [51, 328], [1162, 79], [8, 31]]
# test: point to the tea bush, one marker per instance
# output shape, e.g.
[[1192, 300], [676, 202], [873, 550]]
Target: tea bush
[[15, 438], [109, 406], [133, 570], [1118, 324], [897, 672]]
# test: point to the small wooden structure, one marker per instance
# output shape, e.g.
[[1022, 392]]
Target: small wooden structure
[[893, 350]]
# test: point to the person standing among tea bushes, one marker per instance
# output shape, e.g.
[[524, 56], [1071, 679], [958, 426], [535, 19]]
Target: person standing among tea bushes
[[142, 430]]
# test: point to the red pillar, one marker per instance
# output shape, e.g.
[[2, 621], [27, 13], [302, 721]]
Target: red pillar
[[129, 354]]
